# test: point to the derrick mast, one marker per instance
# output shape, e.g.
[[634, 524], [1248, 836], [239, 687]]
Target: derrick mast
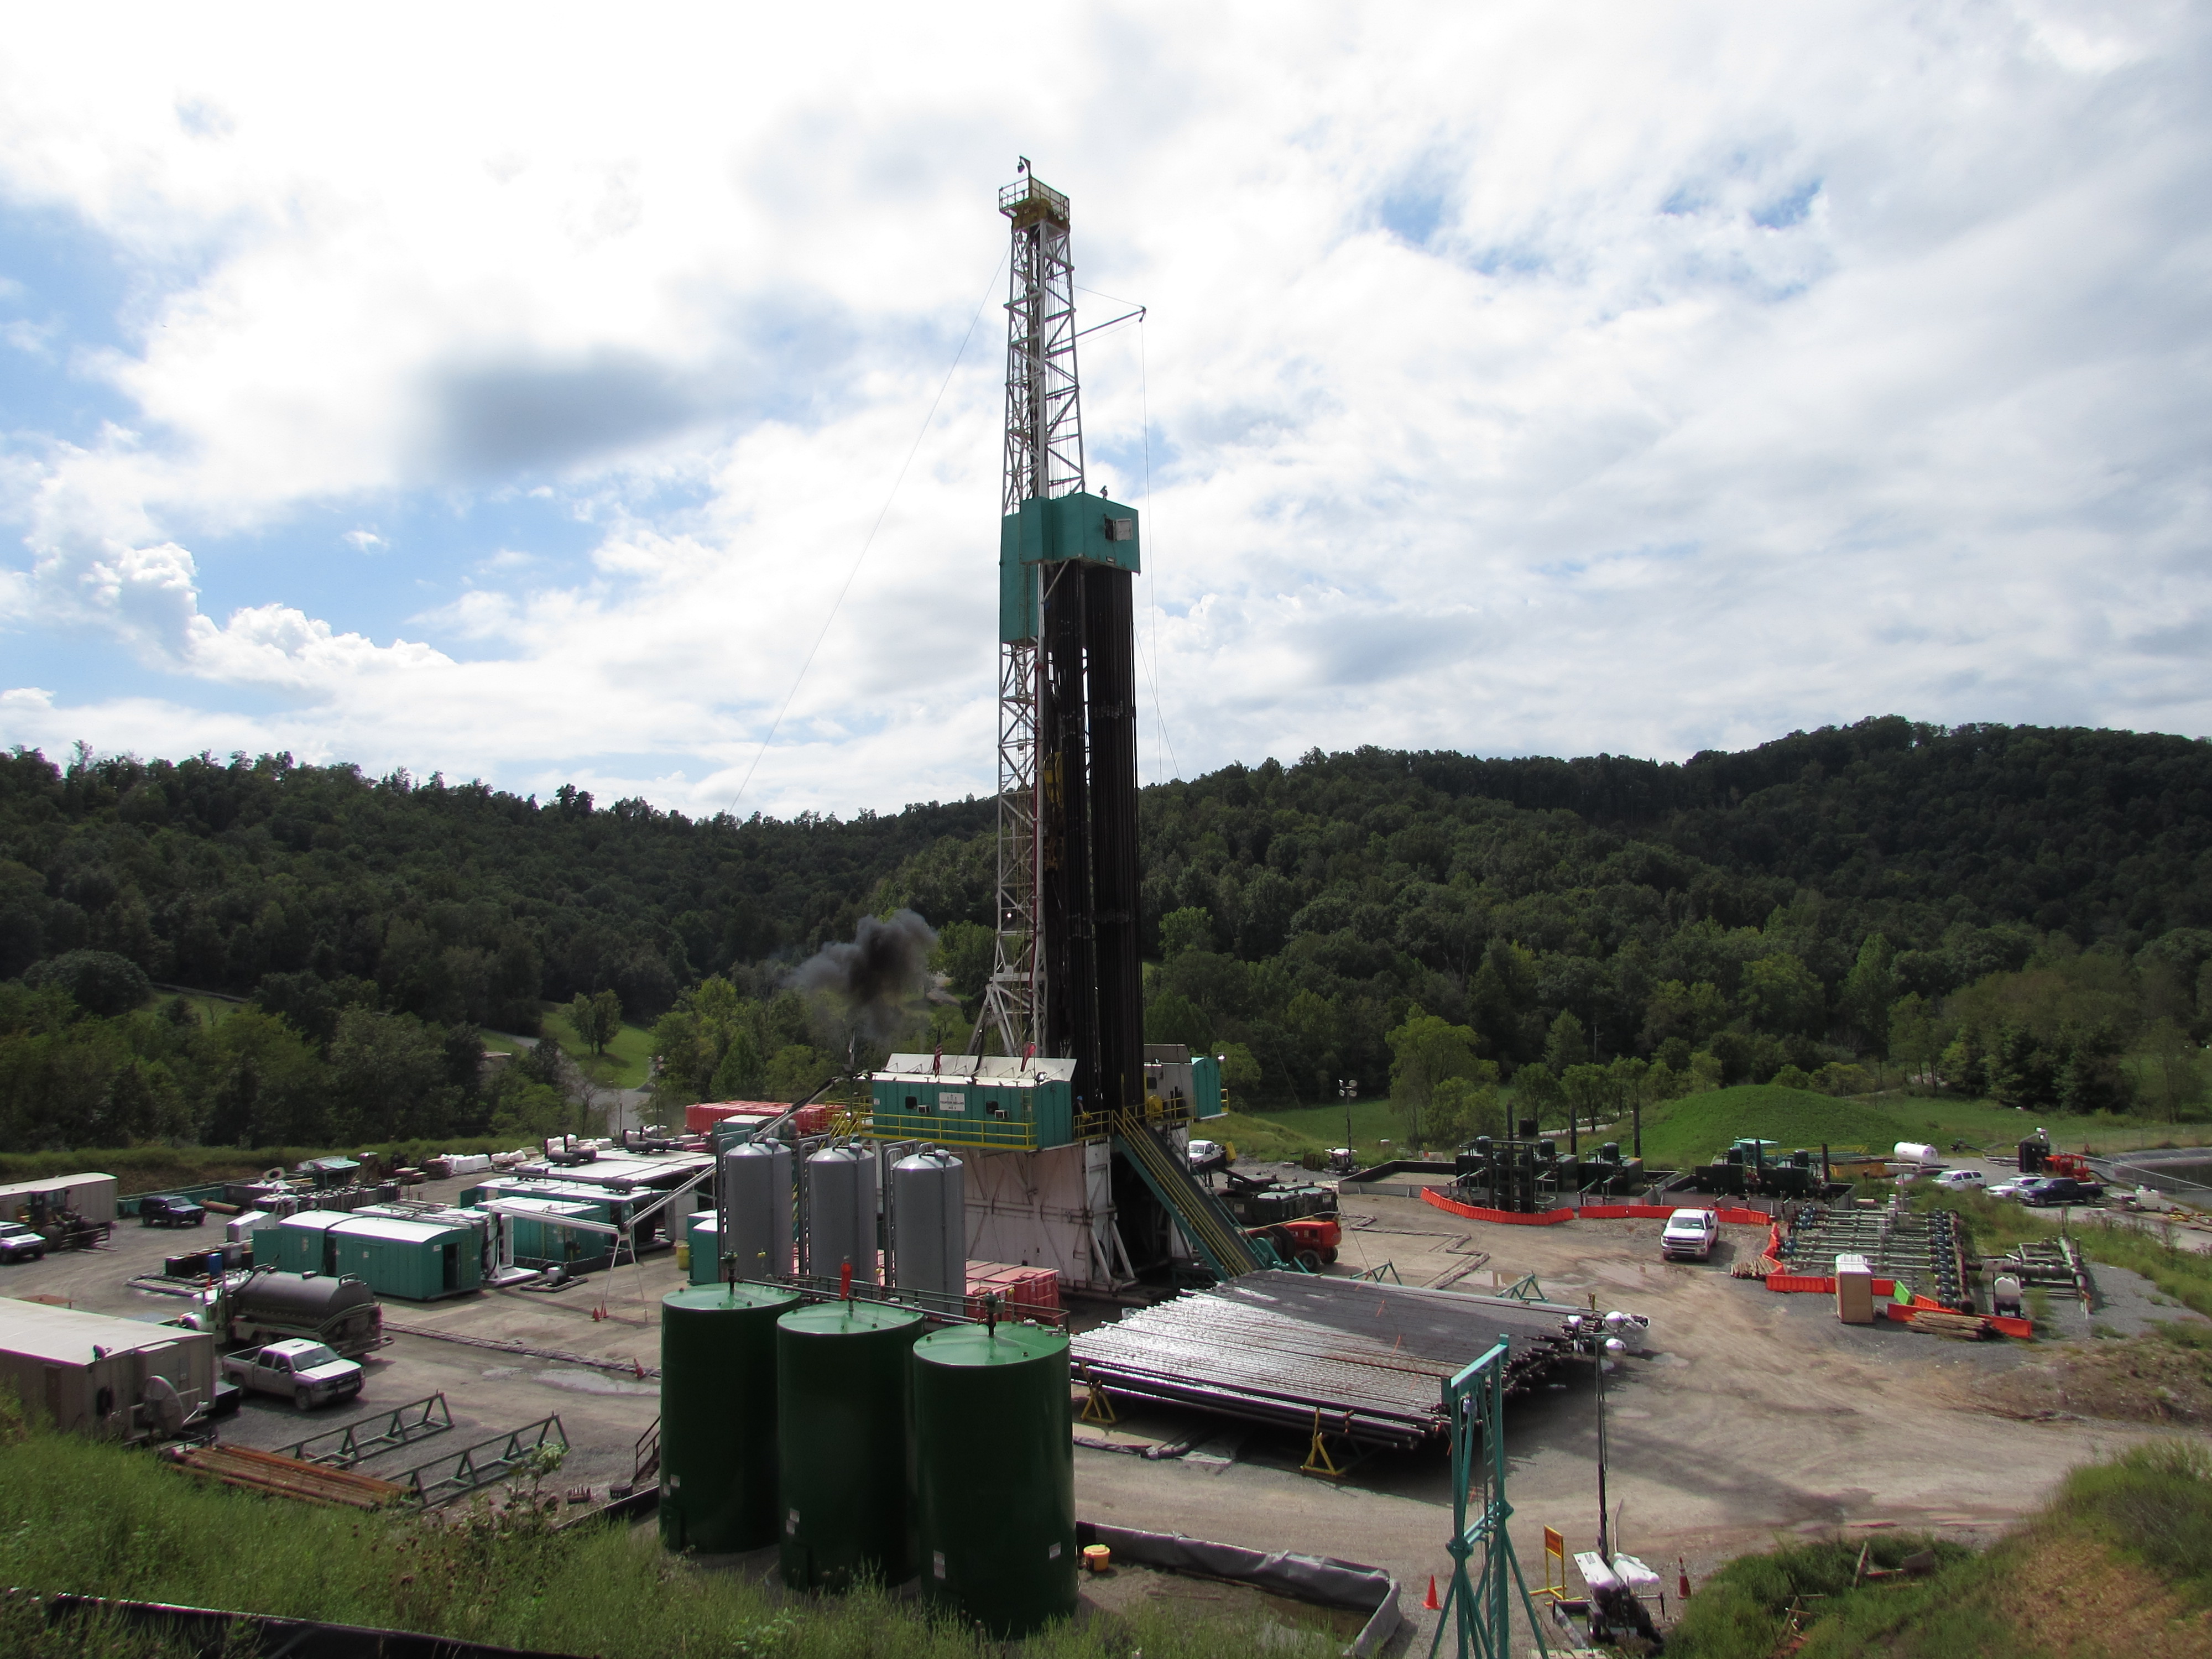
[[1065, 979]]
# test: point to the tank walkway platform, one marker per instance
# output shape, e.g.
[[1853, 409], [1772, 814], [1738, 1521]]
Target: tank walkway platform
[[1276, 1347]]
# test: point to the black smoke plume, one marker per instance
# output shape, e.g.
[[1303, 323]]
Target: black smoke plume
[[879, 976]]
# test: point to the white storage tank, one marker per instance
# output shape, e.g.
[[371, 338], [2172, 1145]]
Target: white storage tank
[[755, 1210], [840, 1213], [929, 1223], [1915, 1152]]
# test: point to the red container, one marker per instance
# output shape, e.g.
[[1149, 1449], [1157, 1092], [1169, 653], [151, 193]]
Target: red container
[[698, 1119]]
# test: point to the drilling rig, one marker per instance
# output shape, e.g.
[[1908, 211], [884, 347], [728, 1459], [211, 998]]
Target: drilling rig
[[1075, 1129]]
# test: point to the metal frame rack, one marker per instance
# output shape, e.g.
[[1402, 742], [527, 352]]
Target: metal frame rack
[[1922, 1248]]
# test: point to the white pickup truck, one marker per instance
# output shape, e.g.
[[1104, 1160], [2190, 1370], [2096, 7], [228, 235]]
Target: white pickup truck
[[309, 1371], [1688, 1236]]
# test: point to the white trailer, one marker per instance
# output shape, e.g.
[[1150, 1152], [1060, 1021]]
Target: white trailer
[[91, 1195], [94, 1374]]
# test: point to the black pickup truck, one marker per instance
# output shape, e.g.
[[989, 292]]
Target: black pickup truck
[[2062, 1189], [167, 1210]]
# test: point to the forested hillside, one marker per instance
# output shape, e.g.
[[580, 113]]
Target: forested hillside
[[2025, 912]]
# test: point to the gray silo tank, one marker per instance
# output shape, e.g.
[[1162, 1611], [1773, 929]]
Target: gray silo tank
[[755, 1198], [929, 1223], [840, 1212]]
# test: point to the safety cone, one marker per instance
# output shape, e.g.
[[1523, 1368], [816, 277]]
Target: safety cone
[[1432, 1604], [1682, 1579]]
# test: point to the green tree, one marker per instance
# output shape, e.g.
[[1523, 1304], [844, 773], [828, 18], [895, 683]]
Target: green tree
[[595, 1019], [1537, 1091], [965, 954], [1869, 990], [1589, 1094], [1685, 1014], [388, 1077], [1425, 1051], [1461, 1107], [1567, 1044], [2171, 1069], [1190, 928], [1705, 1071], [1781, 995], [1916, 1036], [1240, 1070], [797, 1069]]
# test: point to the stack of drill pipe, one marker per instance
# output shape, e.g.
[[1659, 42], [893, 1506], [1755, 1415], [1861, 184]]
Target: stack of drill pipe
[[1277, 1347]]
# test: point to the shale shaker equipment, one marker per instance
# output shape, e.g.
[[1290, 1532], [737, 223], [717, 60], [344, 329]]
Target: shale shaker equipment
[[1077, 1129]]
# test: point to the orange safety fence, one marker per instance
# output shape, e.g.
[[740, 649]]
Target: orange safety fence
[[1593, 1212]]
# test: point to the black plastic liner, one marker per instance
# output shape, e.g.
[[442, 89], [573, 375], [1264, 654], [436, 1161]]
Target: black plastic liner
[[1320, 1579]]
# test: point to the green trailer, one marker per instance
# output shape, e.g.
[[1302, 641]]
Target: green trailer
[[540, 1240], [414, 1260], [300, 1244]]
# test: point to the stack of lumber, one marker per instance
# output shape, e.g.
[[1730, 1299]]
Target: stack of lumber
[[1937, 1322], [286, 1477]]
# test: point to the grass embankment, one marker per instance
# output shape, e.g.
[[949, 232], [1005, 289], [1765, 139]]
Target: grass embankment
[[1697, 1127], [2119, 1563], [98, 1520], [159, 1168]]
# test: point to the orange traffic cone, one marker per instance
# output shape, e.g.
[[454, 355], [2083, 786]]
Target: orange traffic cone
[[1682, 1579], [1432, 1604]]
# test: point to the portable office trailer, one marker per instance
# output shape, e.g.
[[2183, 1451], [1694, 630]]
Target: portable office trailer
[[299, 1244], [35, 1202], [95, 1373], [414, 1261]]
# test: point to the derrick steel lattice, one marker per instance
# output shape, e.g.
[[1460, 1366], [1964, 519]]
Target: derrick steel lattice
[[1043, 459]]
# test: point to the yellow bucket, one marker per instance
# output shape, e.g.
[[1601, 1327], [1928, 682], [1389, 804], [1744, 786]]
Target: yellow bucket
[[684, 1258], [1096, 1555]]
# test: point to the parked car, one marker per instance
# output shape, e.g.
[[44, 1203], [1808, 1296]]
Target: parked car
[[2063, 1189], [19, 1243], [1689, 1236], [1962, 1180], [167, 1210], [309, 1371], [1205, 1156], [2013, 1188]]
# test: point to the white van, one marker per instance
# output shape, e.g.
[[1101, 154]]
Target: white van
[[1688, 1236], [1967, 1180]]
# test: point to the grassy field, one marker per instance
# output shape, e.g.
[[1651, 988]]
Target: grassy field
[[2118, 1564], [1680, 1133], [1376, 1130], [99, 1520], [626, 1063]]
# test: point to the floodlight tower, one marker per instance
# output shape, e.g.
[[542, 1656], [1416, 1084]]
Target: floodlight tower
[[1066, 981]]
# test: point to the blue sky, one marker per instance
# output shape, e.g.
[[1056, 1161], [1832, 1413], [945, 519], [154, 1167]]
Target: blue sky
[[1513, 380]]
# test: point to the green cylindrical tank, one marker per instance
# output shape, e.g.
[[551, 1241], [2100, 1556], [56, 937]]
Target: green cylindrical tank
[[845, 1456], [995, 1474], [718, 1416]]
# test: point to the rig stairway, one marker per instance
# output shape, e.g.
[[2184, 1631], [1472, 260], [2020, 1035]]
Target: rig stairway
[[1204, 1220]]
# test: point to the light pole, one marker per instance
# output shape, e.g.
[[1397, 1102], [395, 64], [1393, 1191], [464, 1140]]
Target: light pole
[[1594, 1336], [1347, 1091]]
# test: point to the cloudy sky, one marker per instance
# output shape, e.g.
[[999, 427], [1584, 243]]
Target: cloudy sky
[[527, 393]]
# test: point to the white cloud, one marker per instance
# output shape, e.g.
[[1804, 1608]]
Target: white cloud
[[1518, 379]]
